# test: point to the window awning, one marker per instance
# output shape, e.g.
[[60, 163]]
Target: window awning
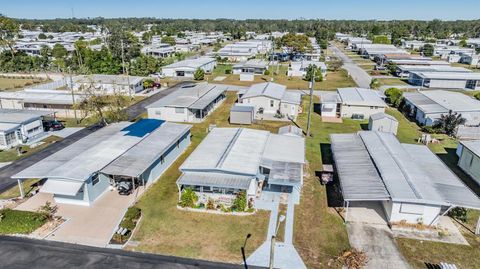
[[62, 187]]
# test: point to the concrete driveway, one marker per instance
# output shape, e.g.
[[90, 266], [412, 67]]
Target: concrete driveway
[[86, 225], [368, 231]]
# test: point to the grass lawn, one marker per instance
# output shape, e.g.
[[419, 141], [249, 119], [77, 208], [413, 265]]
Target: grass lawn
[[11, 83], [11, 154], [334, 79], [19, 222], [165, 229], [319, 233], [391, 81], [14, 192]]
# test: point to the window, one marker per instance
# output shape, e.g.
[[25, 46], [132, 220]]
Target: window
[[272, 103], [179, 110], [10, 138], [158, 112], [95, 179]]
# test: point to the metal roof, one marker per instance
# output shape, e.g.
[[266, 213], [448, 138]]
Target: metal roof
[[8, 126], [236, 150], [219, 180], [360, 97], [108, 79], [468, 132], [196, 96], [359, 178], [242, 108], [292, 97], [20, 116], [252, 63], [418, 62], [92, 153], [433, 68], [473, 146], [191, 63], [141, 156], [450, 187], [409, 173], [382, 115], [439, 101], [268, 89], [43, 96], [290, 130], [448, 75], [285, 173], [285, 148]]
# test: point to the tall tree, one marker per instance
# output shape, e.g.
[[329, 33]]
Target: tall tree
[[9, 31], [448, 123]]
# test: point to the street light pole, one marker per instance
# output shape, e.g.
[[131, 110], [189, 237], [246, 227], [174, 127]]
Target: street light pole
[[272, 243], [243, 251], [311, 101]]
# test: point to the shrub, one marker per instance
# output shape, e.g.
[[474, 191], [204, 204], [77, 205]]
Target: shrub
[[240, 202], [267, 72], [131, 217], [210, 205], [189, 198], [228, 71], [199, 74], [477, 95], [394, 96], [459, 213], [148, 83]]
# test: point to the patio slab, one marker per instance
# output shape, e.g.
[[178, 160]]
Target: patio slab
[[86, 225]]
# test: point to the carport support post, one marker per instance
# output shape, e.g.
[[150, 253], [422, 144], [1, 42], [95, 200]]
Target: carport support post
[[133, 182], [477, 230], [20, 187], [346, 212]]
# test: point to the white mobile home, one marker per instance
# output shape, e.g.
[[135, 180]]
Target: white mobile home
[[19, 126], [230, 160], [446, 80], [356, 103], [428, 106], [469, 158], [191, 103], [137, 153], [248, 69], [108, 84], [299, 69], [272, 101], [410, 182], [405, 70], [187, 68]]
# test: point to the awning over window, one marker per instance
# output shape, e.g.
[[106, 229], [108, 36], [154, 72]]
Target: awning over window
[[62, 187]]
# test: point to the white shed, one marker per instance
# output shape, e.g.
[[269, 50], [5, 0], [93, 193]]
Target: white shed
[[383, 122]]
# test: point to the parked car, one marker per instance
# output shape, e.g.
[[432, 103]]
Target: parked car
[[52, 125]]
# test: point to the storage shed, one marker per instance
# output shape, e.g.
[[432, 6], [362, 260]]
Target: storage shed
[[383, 122], [242, 114]]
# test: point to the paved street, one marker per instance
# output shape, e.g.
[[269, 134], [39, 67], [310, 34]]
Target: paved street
[[133, 111], [22, 253], [359, 75]]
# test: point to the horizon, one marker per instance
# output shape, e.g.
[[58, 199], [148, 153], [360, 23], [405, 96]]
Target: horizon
[[368, 10]]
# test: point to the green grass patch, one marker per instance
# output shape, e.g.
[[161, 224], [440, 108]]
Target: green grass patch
[[14, 192], [20, 222], [11, 155]]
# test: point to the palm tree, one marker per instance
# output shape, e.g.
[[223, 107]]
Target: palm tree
[[448, 123], [375, 84]]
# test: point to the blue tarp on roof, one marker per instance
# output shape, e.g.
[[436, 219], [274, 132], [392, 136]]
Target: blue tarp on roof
[[142, 127]]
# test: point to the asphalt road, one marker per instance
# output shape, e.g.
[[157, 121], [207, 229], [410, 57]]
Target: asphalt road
[[23, 253], [133, 112], [360, 76]]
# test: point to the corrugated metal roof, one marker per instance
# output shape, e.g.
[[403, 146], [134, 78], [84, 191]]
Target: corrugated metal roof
[[468, 132], [382, 115], [92, 153], [359, 178], [43, 96], [196, 96], [290, 130], [191, 63], [360, 96], [450, 187], [292, 97], [285, 173], [449, 75], [21, 115], [431, 68], [141, 156], [219, 180], [242, 108], [285, 148]]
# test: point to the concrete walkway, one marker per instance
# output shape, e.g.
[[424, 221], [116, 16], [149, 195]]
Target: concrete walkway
[[286, 256]]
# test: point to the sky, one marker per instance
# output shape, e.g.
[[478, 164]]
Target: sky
[[245, 9]]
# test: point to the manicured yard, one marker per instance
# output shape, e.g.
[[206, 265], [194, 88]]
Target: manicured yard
[[167, 230], [11, 83], [11, 154], [392, 81], [20, 222]]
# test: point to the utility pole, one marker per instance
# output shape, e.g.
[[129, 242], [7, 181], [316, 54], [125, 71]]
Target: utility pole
[[311, 101], [73, 95], [123, 57]]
